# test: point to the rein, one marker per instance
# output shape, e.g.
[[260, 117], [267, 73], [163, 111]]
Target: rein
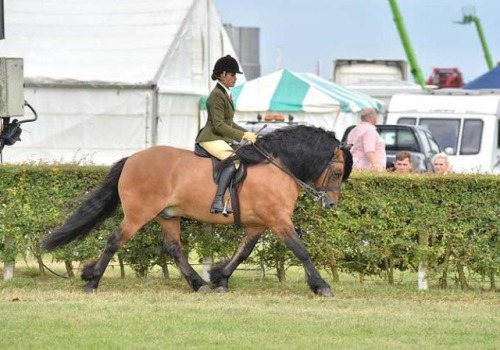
[[317, 194]]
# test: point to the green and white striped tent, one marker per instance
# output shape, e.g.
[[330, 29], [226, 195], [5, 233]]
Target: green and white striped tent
[[308, 97], [289, 92]]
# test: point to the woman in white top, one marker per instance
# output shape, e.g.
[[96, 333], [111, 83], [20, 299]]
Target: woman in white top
[[441, 164]]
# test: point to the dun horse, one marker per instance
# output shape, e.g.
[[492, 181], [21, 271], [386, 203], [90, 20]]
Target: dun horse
[[165, 184]]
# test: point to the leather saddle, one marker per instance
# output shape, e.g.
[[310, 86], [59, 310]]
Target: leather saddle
[[236, 181]]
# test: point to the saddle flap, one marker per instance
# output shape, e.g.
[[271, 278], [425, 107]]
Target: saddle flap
[[201, 152], [238, 177]]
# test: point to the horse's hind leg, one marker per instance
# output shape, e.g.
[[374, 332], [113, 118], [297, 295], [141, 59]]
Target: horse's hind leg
[[93, 272], [171, 229], [220, 273]]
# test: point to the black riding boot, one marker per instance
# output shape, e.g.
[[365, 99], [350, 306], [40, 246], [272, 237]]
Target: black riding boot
[[224, 180]]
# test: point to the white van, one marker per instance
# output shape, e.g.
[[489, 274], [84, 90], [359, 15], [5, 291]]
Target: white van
[[466, 124], [353, 71]]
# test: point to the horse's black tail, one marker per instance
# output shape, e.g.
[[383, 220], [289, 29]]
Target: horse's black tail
[[100, 204]]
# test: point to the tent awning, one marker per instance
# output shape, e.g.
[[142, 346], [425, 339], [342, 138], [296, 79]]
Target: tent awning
[[489, 80], [286, 92]]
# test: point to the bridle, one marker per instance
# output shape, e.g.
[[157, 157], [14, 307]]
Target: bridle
[[328, 175], [318, 193]]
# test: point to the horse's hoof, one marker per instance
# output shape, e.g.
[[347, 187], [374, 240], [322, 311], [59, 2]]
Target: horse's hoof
[[325, 292], [221, 289], [204, 289], [89, 290]]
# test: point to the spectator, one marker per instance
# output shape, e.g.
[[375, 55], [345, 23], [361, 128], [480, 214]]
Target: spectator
[[441, 164], [368, 148], [403, 163]]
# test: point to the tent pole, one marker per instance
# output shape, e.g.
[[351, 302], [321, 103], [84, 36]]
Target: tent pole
[[154, 115], [207, 44]]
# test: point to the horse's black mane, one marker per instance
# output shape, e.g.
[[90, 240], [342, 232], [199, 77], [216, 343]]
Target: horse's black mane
[[304, 150]]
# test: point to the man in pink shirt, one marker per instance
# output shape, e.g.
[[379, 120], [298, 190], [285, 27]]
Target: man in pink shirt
[[368, 148]]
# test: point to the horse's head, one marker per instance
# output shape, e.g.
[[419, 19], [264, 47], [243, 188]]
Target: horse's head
[[338, 170], [306, 153]]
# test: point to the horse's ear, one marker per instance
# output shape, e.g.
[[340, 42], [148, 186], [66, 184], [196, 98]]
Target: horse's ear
[[346, 146]]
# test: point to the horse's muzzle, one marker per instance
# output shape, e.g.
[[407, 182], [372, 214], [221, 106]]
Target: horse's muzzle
[[328, 203]]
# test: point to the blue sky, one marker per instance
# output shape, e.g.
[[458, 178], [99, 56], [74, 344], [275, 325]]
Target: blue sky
[[322, 30]]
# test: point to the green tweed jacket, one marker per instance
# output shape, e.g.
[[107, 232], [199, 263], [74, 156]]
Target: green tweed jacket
[[220, 125]]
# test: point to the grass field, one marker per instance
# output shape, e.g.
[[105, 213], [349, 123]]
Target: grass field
[[153, 313]]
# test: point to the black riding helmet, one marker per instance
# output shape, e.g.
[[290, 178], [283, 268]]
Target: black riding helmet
[[225, 64]]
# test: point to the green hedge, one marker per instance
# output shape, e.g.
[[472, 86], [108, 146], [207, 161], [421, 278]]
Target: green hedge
[[384, 223]]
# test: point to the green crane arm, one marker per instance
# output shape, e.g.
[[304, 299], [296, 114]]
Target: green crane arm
[[473, 19], [412, 59]]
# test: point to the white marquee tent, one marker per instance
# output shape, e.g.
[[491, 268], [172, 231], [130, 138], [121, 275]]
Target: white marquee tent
[[109, 78]]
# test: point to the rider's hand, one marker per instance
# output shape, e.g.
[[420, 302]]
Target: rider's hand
[[250, 136]]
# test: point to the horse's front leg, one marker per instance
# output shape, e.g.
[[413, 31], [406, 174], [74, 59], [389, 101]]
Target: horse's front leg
[[317, 284], [220, 273]]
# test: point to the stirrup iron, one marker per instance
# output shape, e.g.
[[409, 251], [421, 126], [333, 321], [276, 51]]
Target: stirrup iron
[[227, 209]]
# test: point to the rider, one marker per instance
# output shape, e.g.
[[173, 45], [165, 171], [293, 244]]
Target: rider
[[220, 129]]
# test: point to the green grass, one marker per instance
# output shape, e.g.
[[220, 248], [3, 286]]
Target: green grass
[[153, 313]]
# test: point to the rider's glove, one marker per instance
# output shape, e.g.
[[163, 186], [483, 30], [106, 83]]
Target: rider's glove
[[250, 136]]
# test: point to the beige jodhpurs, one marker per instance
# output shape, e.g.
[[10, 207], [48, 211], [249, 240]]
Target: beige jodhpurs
[[220, 149]]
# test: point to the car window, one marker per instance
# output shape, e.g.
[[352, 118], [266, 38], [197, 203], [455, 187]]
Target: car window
[[407, 121], [446, 131], [471, 136], [389, 137], [397, 139], [406, 141], [425, 141], [433, 144]]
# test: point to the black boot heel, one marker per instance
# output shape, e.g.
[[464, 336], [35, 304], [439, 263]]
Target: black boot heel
[[224, 180]]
